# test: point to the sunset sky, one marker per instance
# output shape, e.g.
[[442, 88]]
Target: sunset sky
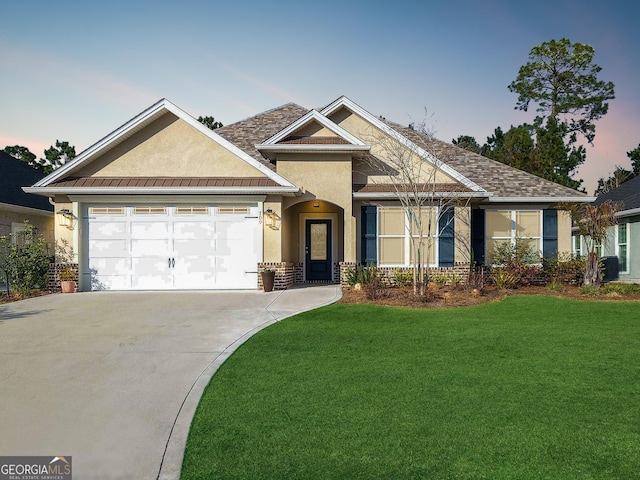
[[76, 71]]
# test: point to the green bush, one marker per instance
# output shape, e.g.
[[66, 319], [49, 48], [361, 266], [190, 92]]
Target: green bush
[[403, 278], [590, 290], [515, 264], [24, 260], [362, 274], [564, 268], [504, 278], [621, 288]]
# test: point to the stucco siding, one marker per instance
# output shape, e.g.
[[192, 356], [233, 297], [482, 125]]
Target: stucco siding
[[44, 223], [169, 147]]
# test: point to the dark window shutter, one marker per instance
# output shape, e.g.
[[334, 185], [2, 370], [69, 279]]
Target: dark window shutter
[[549, 233], [477, 235], [446, 226], [369, 246]]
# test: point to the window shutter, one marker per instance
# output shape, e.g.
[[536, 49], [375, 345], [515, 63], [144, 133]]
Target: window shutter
[[549, 233], [446, 237], [477, 235], [369, 245]]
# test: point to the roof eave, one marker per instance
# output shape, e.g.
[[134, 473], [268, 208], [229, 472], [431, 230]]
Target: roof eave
[[395, 195], [547, 199], [48, 191]]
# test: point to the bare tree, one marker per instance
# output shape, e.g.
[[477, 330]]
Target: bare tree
[[413, 171], [592, 222]]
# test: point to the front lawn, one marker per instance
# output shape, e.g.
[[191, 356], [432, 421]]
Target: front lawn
[[532, 387]]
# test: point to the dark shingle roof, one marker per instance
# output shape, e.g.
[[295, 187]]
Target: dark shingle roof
[[245, 134], [14, 175], [165, 182], [628, 194], [498, 178]]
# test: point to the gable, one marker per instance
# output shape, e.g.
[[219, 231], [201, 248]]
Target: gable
[[383, 147], [168, 147]]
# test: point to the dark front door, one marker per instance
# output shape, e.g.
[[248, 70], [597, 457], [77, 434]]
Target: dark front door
[[318, 263]]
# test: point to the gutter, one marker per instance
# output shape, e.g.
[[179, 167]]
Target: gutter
[[48, 191], [541, 199]]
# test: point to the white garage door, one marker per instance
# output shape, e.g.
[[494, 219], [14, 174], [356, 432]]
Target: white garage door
[[173, 247]]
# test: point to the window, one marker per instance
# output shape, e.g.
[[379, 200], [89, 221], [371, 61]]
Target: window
[[506, 226], [621, 247], [150, 210], [233, 210], [106, 211], [577, 245], [395, 231], [192, 210]]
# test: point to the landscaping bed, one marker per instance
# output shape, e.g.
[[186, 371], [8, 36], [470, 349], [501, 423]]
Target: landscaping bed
[[444, 297]]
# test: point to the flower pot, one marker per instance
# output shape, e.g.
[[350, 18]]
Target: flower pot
[[68, 286], [268, 279]]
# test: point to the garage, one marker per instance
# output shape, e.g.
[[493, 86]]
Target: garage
[[172, 247]]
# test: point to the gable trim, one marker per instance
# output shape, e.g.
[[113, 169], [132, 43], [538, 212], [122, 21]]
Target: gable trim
[[312, 115], [357, 109], [142, 120]]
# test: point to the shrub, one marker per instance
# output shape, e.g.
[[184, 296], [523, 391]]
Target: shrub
[[361, 274], [475, 279], [24, 259], [564, 268], [555, 286], [590, 290], [504, 278], [621, 288], [403, 278], [440, 279]]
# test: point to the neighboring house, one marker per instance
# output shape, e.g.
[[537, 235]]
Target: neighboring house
[[16, 206], [165, 203], [623, 240]]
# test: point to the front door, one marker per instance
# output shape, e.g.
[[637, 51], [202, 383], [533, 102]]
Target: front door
[[318, 262]]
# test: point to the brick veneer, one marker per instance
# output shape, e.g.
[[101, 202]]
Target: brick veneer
[[387, 274], [54, 274]]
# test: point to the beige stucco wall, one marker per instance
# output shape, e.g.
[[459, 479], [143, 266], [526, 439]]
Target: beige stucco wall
[[169, 147], [63, 233], [386, 149], [322, 177], [272, 244], [564, 232]]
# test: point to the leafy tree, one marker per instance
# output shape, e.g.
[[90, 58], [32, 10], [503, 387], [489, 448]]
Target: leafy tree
[[562, 80], [210, 122], [553, 159], [468, 143], [57, 156], [592, 222], [634, 156], [617, 178], [514, 148], [23, 154]]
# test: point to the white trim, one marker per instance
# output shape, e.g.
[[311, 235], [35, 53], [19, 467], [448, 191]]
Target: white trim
[[150, 114], [48, 191], [165, 199], [355, 108], [20, 209], [550, 199], [394, 195], [628, 213], [312, 115], [314, 148]]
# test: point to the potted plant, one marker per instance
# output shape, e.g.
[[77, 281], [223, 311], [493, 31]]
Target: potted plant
[[67, 280], [268, 278]]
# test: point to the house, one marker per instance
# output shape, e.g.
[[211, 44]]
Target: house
[[163, 202], [623, 240], [16, 206]]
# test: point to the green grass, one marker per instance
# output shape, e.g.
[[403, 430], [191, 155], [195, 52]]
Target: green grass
[[527, 388]]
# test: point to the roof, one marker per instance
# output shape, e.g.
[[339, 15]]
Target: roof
[[165, 182], [627, 194], [495, 177], [15, 175], [245, 134]]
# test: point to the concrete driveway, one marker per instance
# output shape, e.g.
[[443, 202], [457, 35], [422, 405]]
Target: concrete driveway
[[113, 378]]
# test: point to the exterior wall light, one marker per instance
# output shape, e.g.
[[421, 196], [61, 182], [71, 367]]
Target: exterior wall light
[[65, 218], [271, 219]]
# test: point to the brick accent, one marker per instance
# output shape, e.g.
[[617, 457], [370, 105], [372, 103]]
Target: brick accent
[[387, 274], [285, 274], [54, 274]]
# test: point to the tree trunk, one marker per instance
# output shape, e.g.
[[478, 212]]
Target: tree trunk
[[591, 273]]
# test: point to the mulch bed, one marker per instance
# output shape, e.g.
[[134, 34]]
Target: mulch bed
[[14, 297], [460, 297]]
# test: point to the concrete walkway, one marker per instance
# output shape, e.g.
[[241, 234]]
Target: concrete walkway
[[113, 378]]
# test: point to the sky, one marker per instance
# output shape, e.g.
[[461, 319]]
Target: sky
[[77, 70]]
